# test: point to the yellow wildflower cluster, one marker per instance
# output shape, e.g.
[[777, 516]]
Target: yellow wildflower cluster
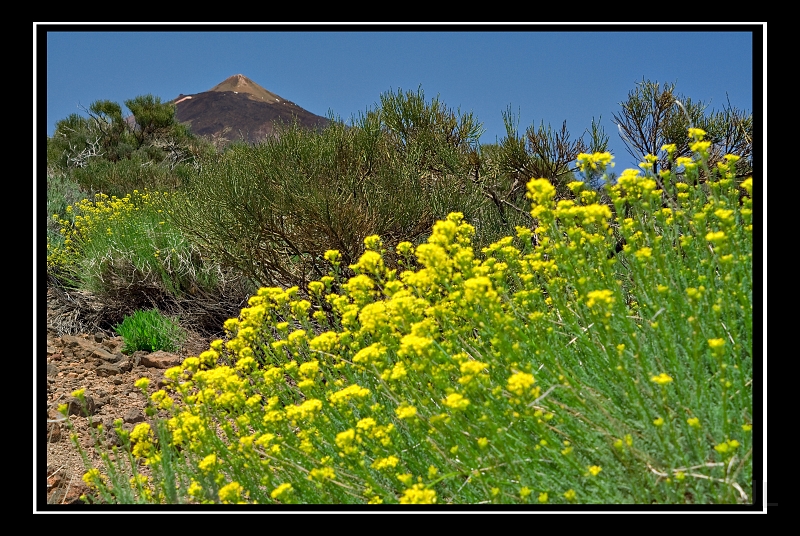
[[594, 162], [330, 393]]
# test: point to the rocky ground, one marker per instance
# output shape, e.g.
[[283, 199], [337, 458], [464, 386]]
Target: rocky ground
[[95, 362]]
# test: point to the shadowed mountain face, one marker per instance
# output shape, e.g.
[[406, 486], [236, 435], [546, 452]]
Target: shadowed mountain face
[[238, 108]]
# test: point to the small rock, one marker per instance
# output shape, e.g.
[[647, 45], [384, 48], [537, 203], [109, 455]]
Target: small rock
[[161, 360], [102, 354], [54, 433], [74, 406], [107, 369], [54, 480], [79, 346], [114, 344], [137, 356], [73, 496], [133, 416]]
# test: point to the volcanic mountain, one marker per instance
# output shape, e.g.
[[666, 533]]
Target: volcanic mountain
[[239, 109]]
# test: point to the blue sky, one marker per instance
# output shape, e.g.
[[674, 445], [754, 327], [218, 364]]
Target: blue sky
[[549, 73]]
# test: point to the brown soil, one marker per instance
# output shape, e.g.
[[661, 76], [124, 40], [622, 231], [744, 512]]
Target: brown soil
[[91, 360]]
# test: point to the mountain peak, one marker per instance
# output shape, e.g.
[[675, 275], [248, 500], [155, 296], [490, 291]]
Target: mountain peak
[[238, 108], [239, 83]]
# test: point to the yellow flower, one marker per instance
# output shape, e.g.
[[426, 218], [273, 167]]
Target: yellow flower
[[661, 379], [569, 495], [231, 493], [524, 491], [432, 471], [717, 346], [541, 191], [385, 463], [316, 287], [405, 478], [725, 446], [344, 440], [519, 382], [281, 491], [348, 393], [306, 410], [697, 133], [207, 463], [595, 470], [595, 161], [405, 248], [543, 497], [142, 383], [694, 422], [456, 401], [92, 477], [405, 411], [321, 474], [332, 256], [604, 297], [717, 237], [659, 421], [195, 489], [700, 147], [418, 494]]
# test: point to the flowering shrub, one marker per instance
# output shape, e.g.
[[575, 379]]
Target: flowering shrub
[[552, 370], [111, 242]]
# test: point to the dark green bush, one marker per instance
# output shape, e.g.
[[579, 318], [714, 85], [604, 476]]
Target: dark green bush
[[125, 176], [272, 210]]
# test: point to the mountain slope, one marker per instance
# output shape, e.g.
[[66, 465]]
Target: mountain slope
[[239, 109]]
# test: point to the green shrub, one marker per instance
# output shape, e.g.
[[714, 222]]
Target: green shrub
[[62, 192], [150, 331], [124, 176], [551, 371], [272, 210], [115, 243]]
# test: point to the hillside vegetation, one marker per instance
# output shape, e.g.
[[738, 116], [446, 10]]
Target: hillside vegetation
[[408, 316]]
